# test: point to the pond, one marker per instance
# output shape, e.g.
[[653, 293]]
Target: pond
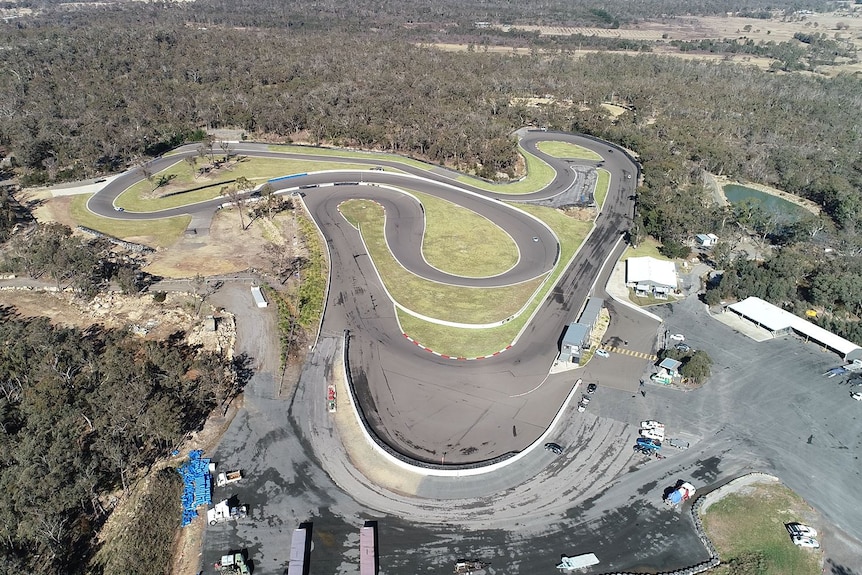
[[787, 211]]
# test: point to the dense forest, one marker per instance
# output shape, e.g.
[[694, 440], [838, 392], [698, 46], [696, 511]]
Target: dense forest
[[82, 412]]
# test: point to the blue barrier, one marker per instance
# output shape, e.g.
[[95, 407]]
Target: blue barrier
[[280, 178], [197, 482]]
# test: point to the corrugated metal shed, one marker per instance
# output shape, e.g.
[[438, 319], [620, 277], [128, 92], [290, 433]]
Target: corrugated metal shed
[[778, 320]]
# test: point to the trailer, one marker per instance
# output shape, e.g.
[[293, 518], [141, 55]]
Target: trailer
[[367, 551], [296, 562], [578, 562], [226, 477], [223, 512], [257, 294]]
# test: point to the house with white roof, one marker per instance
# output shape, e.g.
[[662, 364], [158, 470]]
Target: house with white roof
[[651, 276]]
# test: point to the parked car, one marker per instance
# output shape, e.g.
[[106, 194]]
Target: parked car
[[582, 405], [591, 388], [602, 353], [554, 448], [677, 337], [683, 347], [856, 395], [377, 169], [806, 542], [801, 529]]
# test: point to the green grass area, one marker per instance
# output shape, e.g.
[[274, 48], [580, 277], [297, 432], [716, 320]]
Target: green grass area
[[748, 532], [440, 301], [602, 184], [478, 342], [539, 175], [567, 150], [338, 153], [462, 242], [315, 276], [160, 232], [648, 247], [203, 188]]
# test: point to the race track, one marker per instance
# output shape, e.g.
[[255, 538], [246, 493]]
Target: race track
[[424, 406]]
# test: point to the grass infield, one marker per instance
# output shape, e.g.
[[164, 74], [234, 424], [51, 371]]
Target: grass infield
[[160, 232], [567, 150], [462, 242], [186, 188], [432, 299], [748, 532], [459, 342]]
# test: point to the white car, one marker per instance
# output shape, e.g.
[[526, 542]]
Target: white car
[[806, 542], [657, 434], [652, 424], [856, 395], [602, 353], [800, 529], [677, 337]]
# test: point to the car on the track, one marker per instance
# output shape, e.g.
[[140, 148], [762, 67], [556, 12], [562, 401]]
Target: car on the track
[[602, 353], [554, 448], [677, 337], [591, 388], [535, 238], [684, 347], [806, 542], [119, 209], [800, 529]]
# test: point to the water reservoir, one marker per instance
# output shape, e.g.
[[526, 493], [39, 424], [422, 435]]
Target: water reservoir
[[786, 211]]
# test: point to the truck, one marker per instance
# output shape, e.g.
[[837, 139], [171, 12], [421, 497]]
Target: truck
[[222, 512], [226, 477], [683, 492], [648, 443], [232, 563]]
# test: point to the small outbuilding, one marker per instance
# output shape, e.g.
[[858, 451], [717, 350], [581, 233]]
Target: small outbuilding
[[575, 340], [706, 240]]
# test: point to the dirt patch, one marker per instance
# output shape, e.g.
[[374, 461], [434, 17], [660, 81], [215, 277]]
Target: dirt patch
[[227, 248], [51, 209]]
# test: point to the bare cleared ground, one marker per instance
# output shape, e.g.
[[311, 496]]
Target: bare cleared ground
[[228, 248], [709, 27]]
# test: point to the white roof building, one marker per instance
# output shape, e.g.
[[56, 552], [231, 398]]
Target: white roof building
[[651, 272], [780, 321]]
